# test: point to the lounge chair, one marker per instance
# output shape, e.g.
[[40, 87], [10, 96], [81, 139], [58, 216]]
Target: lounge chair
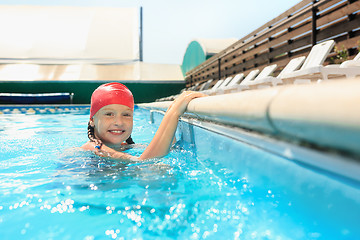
[[173, 97], [235, 81], [245, 83], [205, 85], [269, 81], [266, 72], [217, 85], [348, 69], [228, 84], [311, 69], [193, 88]]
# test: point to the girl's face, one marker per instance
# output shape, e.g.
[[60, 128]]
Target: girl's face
[[113, 123]]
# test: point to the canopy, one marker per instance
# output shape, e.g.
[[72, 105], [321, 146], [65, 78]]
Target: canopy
[[74, 44], [199, 50], [69, 34], [76, 72]]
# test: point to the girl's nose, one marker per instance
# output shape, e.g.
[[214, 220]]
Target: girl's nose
[[118, 120]]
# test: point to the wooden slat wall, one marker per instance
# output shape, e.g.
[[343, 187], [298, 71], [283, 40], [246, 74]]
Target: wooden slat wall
[[291, 34]]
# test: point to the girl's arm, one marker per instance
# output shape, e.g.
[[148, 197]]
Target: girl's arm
[[161, 143]]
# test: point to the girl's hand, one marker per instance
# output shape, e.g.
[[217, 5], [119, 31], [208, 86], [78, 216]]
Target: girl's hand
[[180, 104], [164, 136]]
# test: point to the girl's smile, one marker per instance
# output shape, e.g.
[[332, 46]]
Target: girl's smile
[[117, 132]]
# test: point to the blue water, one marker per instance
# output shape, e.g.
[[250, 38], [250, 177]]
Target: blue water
[[216, 189]]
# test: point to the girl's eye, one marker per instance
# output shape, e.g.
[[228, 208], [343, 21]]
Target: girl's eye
[[127, 114], [109, 114]]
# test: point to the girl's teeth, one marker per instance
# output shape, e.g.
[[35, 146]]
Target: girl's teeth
[[117, 131]]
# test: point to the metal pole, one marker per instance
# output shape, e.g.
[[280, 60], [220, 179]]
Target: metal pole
[[219, 68], [314, 31], [141, 36]]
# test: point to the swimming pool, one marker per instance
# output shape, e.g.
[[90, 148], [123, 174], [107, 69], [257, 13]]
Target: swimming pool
[[211, 185]]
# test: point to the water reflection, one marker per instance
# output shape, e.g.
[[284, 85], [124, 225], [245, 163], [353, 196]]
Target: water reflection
[[109, 174], [138, 192]]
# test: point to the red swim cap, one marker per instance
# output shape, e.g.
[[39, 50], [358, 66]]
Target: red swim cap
[[110, 93]]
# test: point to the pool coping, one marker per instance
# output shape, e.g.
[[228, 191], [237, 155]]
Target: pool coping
[[326, 115]]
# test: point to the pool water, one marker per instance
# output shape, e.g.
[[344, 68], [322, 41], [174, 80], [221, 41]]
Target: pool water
[[208, 187]]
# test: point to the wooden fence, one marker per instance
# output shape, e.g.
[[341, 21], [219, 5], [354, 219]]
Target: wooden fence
[[291, 34]]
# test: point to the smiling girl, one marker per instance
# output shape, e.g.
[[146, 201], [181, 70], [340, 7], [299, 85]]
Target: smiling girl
[[111, 122]]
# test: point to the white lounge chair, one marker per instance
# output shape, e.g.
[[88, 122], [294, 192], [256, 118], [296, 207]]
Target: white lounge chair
[[193, 88], [217, 86], [232, 83], [269, 81], [173, 97], [235, 81], [229, 83], [348, 69], [244, 84], [266, 72], [205, 85], [311, 69], [226, 82]]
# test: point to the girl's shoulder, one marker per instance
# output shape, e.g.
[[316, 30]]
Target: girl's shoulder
[[88, 146]]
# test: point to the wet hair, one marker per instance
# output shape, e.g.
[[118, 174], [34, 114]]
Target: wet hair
[[98, 142]]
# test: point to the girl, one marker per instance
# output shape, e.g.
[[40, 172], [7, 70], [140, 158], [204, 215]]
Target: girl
[[111, 122]]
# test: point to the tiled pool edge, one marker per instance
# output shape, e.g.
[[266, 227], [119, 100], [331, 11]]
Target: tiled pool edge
[[35, 109]]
